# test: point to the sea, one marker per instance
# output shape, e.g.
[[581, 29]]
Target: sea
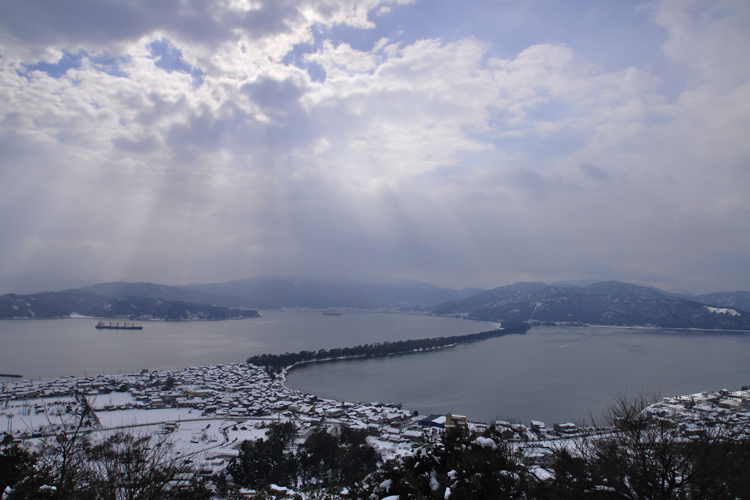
[[553, 374]]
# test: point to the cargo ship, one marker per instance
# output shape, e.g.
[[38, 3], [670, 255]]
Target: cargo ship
[[117, 326]]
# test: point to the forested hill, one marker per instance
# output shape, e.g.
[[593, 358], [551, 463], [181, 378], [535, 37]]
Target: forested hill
[[606, 303], [78, 302]]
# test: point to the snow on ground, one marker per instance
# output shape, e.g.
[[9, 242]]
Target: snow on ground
[[390, 449], [33, 416], [114, 398], [205, 413], [135, 417]]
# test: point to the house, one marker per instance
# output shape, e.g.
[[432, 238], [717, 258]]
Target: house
[[565, 428], [456, 421], [413, 436], [538, 426], [334, 412], [433, 421]]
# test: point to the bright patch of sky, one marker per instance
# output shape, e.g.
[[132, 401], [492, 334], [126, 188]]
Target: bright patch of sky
[[170, 59], [57, 69], [468, 143]]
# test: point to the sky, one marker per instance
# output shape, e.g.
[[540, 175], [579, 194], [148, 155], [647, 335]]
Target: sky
[[465, 144]]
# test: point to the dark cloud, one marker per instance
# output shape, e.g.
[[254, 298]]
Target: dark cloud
[[49, 23], [205, 131], [273, 17], [273, 94], [529, 181], [231, 128], [594, 172], [152, 107]]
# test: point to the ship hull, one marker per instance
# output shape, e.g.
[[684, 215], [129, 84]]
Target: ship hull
[[102, 326]]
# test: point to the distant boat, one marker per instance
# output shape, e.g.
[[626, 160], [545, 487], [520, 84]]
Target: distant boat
[[117, 326], [331, 314]]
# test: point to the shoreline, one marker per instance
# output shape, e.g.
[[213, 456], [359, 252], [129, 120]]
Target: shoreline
[[533, 323], [287, 369]]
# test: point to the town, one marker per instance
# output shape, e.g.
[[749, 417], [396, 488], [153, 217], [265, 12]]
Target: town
[[207, 413]]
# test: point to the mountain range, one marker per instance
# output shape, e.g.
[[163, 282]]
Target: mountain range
[[599, 303], [604, 303], [279, 293]]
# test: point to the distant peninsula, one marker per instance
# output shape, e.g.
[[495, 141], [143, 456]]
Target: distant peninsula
[[73, 303], [275, 363]]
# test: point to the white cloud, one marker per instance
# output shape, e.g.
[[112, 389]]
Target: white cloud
[[409, 158], [707, 37]]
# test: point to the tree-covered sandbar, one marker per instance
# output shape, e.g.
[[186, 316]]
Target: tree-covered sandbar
[[275, 363]]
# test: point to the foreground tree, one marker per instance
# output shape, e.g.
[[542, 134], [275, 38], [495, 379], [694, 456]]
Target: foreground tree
[[655, 456], [121, 466], [127, 466], [16, 463], [463, 465], [327, 459], [266, 461]]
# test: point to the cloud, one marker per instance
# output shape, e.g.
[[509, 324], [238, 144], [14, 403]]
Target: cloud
[[594, 172], [272, 94], [136, 146], [193, 141], [170, 59], [703, 37]]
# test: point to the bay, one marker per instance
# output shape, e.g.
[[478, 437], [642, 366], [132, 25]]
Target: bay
[[63, 347], [551, 374]]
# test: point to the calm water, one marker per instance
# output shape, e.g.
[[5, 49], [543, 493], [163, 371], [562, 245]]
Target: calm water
[[550, 374], [59, 347]]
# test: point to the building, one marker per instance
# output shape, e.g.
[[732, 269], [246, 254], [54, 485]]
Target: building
[[456, 421]]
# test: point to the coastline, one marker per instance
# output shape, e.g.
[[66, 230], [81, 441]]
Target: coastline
[[282, 374]]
